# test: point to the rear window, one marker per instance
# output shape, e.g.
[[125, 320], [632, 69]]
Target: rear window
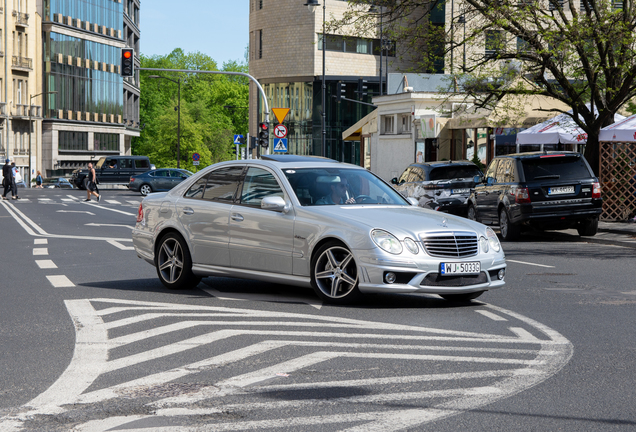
[[454, 172], [562, 168], [142, 164]]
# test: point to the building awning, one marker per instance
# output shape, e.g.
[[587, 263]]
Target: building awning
[[364, 127], [512, 111]]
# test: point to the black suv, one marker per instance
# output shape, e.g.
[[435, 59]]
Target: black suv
[[543, 190], [443, 185], [114, 170]]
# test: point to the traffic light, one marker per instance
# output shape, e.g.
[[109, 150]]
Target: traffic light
[[341, 91], [363, 89], [263, 134], [127, 62]]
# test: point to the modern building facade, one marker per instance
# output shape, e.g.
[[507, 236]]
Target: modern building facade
[[20, 73], [285, 55], [89, 110]]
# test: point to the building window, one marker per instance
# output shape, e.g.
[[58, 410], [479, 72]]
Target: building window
[[555, 4], [260, 4], [405, 120], [259, 44], [388, 124], [106, 142], [356, 45], [73, 141], [494, 42]]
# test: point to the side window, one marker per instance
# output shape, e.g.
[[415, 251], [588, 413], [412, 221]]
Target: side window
[[503, 171], [196, 190], [142, 164], [125, 163], [110, 163], [161, 173], [223, 183], [405, 175], [418, 175], [259, 184], [492, 168]]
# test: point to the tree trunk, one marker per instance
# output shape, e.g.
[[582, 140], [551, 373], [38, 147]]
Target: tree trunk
[[592, 154]]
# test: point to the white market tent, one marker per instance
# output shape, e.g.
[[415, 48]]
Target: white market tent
[[558, 130], [622, 131]]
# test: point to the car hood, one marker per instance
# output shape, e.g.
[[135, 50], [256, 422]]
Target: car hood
[[399, 220]]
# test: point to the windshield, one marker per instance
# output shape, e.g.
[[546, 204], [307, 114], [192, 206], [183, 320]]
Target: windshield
[[454, 172], [563, 168], [329, 186]]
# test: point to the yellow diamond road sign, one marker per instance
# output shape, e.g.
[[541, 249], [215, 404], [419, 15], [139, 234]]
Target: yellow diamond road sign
[[280, 113]]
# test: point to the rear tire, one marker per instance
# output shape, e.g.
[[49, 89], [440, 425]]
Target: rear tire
[[509, 231], [145, 189], [334, 274], [588, 228], [174, 264], [461, 297]]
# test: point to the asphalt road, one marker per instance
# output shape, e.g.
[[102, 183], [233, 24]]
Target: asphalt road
[[91, 341]]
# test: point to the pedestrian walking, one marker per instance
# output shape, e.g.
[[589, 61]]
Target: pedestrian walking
[[7, 178], [15, 180], [38, 180], [91, 187]]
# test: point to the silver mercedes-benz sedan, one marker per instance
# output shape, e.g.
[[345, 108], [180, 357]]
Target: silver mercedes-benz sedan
[[311, 221]]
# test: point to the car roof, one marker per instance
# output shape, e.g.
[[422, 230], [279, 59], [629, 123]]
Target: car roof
[[436, 164], [538, 154]]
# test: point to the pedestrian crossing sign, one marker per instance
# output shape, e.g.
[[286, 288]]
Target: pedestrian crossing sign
[[280, 145]]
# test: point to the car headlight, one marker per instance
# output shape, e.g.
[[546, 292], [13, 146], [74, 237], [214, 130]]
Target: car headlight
[[493, 240], [411, 246], [483, 244], [386, 241]]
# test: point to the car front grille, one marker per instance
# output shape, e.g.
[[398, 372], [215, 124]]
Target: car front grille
[[453, 244], [437, 280]]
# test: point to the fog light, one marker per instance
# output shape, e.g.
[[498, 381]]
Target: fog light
[[501, 274], [390, 277]]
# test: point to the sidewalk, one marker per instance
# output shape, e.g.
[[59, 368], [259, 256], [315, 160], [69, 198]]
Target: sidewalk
[[612, 233]]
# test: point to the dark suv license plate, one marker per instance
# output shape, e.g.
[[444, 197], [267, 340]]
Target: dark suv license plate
[[456, 268], [560, 190]]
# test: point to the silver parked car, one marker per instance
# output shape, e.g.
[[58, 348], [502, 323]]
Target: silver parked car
[[310, 221]]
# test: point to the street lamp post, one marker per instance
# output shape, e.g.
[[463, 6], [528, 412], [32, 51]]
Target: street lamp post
[[312, 4], [31, 127], [178, 109], [375, 9]]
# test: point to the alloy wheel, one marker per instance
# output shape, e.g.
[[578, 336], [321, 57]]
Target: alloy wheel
[[170, 260], [336, 273]]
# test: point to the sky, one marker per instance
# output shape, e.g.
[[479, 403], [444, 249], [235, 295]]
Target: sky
[[218, 28]]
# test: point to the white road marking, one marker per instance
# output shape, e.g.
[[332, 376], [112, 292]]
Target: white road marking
[[40, 241], [528, 263], [109, 225], [109, 209], [73, 197], [76, 211], [120, 246], [40, 251], [112, 202], [68, 200], [491, 315], [537, 358], [134, 202], [44, 199], [46, 264], [60, 281]]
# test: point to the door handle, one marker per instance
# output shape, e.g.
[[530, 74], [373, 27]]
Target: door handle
[[237, 217], [188, 211]]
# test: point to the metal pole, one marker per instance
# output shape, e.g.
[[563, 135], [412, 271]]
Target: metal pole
[[324, 86], [381, 51], [179, 123]]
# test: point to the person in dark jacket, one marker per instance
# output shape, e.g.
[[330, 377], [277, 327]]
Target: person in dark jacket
[[7, 179]]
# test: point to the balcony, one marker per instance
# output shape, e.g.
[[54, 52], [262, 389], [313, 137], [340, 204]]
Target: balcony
[[22, 63], [21, 19]]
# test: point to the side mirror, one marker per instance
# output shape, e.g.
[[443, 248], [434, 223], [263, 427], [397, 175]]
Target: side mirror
[[478, 179], [275, 203], [490, 181], [394, 180], [413, 201]]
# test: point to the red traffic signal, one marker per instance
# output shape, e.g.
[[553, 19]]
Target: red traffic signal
[[127, 62]]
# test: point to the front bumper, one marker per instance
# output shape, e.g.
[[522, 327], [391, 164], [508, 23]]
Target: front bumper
[[422, 276]]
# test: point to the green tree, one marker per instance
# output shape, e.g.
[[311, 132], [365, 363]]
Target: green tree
[[207, 127], [578, 52]]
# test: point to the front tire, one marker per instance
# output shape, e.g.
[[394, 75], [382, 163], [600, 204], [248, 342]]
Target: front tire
[[461, 298], [334, 274], [471, 213], [588, 228], [509, 231], [145, 189], [173, 263]]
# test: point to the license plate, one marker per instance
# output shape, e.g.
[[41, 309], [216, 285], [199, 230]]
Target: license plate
[[460, 191], [560, 190], [451, 268]]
